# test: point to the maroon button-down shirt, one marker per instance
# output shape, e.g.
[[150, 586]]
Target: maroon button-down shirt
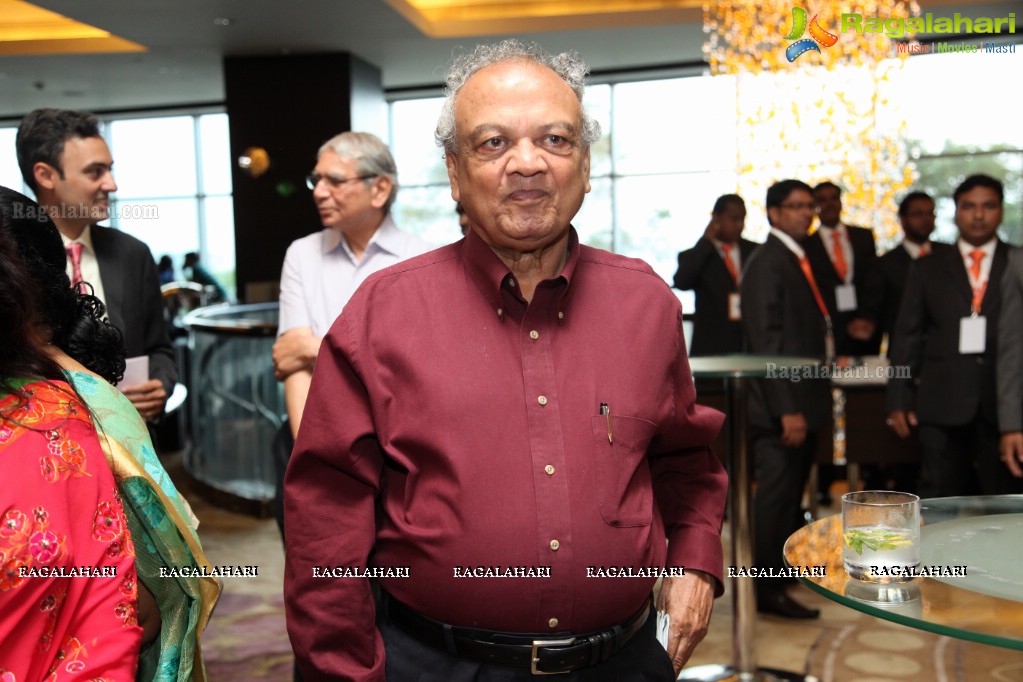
[[451, 427]]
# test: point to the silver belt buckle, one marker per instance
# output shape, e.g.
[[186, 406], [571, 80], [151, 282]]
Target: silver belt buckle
[[535, 655]]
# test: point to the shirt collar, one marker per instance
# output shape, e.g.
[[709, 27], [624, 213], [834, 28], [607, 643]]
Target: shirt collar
[[489, 272], [85, 239], [828, 230], [913, 249], [387, 238], [988, 248], [790, 243]]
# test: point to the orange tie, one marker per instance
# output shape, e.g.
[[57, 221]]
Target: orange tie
[[74, 251], [978, 287], [729, 263], [925, 250], [804, 263], [841, 267]]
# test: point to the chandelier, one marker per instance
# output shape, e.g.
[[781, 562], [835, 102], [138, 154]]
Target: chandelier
[[815, 102]]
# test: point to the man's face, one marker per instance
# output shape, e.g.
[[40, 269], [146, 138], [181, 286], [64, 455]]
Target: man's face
[[918, 220], [82, 196], [349, 205], [519, 168], [730, 222], [978, 215], [829, 205], [795, 214]]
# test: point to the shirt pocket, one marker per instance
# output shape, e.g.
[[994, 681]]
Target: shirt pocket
[[624, 490]]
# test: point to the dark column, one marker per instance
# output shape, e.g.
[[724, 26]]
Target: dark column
[[289, 106]]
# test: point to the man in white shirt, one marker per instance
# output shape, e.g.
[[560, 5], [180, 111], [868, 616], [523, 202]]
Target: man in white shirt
[[354, 184], [68, 165]]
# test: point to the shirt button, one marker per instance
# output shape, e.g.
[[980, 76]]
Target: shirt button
[[553, 622], [542, 400], [511, 282], [534, 335], [561, 315], [549, 469], [555, 545]]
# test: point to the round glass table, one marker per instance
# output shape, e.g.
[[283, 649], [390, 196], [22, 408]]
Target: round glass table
[[970, 545]]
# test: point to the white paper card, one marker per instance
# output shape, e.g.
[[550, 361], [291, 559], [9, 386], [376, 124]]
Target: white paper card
[[663, 621], [972, 334], [136, 371], [734, 307], [845, 297]]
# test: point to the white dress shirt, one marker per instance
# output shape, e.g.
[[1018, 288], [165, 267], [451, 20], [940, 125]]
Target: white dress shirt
[[88, 263], [985, 265], [828, 237]]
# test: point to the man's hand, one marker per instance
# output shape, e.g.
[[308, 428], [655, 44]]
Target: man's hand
[[295, 350], [861, 329], [1011, 449], [148, 398], [900, 421], [688, 600], [711, 232], [793, 429]]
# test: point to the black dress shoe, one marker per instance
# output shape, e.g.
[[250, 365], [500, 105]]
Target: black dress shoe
[[778, 603]]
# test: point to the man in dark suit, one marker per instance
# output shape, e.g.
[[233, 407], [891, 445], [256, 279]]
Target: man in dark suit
[[916, 216], [1010, 370], [67, 164], [783, 313], [946, 334], [844, 261], [712, 268]]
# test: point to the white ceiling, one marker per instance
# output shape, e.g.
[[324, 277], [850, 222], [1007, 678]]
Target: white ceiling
[[183, 63]]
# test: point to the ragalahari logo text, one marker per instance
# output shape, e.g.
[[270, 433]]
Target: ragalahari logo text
[[818, 36]]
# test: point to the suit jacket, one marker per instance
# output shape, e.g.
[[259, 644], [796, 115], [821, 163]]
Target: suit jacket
[[703, 270], [134, 303], [946, 388], [780, 316], [893, 268], [866, 280], [1010, 346]]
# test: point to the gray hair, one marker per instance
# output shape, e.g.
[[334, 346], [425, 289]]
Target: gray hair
[[371, 156], [568, 65]]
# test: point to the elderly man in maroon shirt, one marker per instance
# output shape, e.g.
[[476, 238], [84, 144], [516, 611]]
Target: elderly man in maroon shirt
[[502, 432]]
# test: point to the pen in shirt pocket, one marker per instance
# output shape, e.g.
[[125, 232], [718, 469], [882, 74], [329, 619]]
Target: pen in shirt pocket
[[606, 411]]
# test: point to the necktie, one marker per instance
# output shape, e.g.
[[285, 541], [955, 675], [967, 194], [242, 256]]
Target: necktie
[[976, 256], [74, 252], [841, 267], [829, 337], [729, 263], [804, 264], [925, 250]]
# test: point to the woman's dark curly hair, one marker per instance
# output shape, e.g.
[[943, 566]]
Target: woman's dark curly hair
[[74, 320], [23, 356]]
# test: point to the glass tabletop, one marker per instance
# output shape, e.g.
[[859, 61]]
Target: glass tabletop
[[974, 541], [769, 366]]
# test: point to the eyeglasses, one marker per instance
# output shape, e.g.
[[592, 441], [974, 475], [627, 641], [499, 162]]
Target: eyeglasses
[[800, 207], [335, 182]]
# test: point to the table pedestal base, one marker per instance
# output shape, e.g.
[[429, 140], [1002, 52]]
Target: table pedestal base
[[726, 673]]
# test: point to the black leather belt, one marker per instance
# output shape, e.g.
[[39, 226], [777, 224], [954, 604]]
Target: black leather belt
[[541, 653]]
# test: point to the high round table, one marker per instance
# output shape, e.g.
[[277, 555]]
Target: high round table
[[736, 371], [982, 534]]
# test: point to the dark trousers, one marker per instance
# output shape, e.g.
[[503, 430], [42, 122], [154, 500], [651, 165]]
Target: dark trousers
[[643, 659], [781, 474], [963, 460]]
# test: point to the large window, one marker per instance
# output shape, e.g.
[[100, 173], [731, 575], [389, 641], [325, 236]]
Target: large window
[[173, 178], [669, 150]]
